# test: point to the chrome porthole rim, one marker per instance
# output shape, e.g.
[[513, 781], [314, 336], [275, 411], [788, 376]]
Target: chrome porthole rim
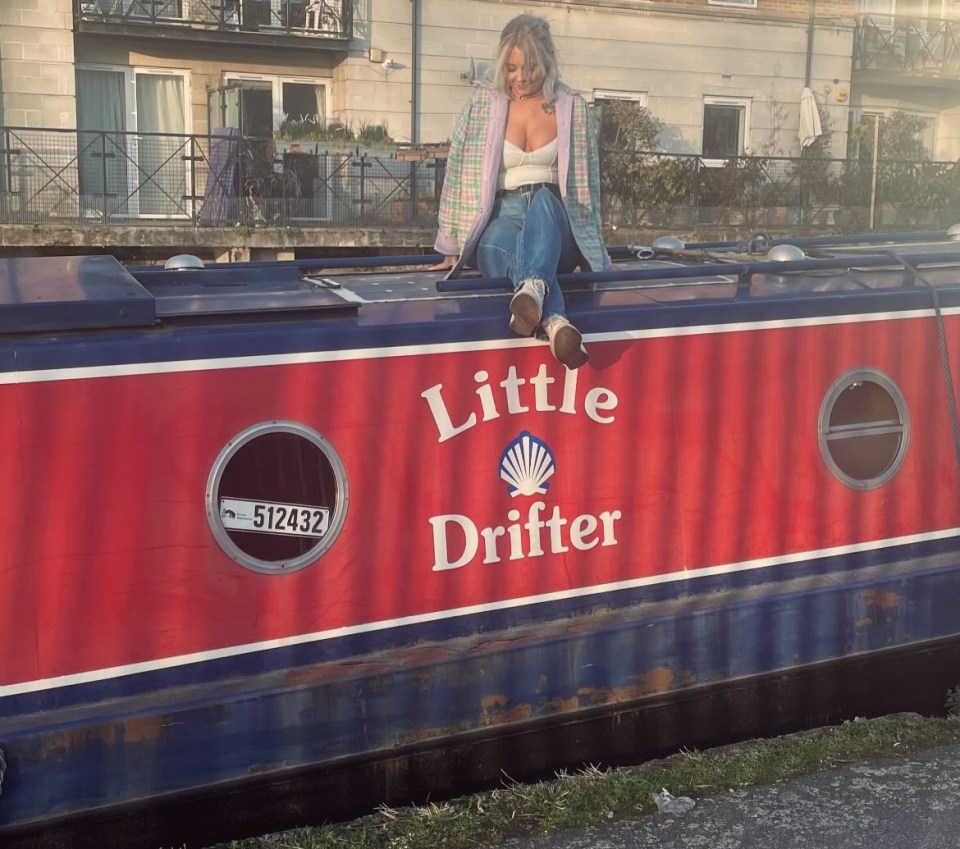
[[339, 511], [840, 385]]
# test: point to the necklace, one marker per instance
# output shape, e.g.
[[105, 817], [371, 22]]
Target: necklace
[[548, 106]]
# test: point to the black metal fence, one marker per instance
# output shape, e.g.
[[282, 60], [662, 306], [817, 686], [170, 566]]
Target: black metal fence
[[90, 177], [61, 176], [687, 191]]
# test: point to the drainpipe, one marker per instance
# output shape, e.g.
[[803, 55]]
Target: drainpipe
[[813, 6], [415, 73], [873, 177]]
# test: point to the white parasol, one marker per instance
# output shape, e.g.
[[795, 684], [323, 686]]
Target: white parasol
[[809, 119]]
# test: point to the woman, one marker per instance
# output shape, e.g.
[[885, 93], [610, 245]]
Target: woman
[[521, 197]]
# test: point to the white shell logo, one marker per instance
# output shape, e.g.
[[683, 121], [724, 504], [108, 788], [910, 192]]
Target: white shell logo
[[533, 530], [526, 465]]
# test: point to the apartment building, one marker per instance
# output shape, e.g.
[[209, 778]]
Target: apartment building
[[724, 77], [169, 65]]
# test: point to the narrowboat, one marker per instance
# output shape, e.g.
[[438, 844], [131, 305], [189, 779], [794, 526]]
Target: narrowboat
[[267, 517]]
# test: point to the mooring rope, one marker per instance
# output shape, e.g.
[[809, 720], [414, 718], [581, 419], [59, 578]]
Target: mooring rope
[[944, 354]]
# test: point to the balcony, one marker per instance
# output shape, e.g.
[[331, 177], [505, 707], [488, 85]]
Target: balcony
[[71, 178], [263, 22], [86, 187], [904, 50]]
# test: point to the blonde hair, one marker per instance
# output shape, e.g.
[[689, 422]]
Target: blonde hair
[[531, 34]]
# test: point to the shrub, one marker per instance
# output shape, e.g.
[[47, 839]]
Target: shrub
[[374, 134]]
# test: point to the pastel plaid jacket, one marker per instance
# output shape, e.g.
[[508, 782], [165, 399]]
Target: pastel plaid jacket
[[473, 165]]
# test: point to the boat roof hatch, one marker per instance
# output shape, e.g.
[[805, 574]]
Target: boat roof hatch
[[915, 249], [385, 287], [227, 292], [388, 286], [70, 293]]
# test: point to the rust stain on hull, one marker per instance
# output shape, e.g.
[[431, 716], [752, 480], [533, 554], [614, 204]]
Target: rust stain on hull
[[881, 600], [657, 680], [495, 711]]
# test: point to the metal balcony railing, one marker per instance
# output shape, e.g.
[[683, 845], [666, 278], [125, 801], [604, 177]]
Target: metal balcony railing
[[915, 46], [82, 177], [317, 18], [85, 178]]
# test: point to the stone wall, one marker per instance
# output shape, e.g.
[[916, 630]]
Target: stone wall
[[37, 64], [673, 54]]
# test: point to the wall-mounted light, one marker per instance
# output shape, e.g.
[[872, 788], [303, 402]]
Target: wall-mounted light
[[375, 54]]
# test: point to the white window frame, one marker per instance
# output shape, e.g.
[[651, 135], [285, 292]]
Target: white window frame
[[276, 95], [933, 118], [858, 114], [738, 4], [130, 89], [277, 82], [638, 97], [611, 94], [326, 82], [131, 128], [886, 111], [718, 100], [863, 8]]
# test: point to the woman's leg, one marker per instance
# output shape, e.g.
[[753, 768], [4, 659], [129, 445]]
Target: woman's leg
[[497, 248], [546, 247], [497, 254], [529, 240]]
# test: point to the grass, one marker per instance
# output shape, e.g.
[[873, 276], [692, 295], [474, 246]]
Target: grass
[[592, 796]]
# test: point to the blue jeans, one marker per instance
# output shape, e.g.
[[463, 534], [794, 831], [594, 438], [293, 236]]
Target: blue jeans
[[529, 236]]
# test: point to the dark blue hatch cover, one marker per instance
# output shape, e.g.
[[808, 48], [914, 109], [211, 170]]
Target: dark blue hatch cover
[[70, 293]]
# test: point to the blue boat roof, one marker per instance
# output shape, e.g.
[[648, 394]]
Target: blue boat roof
[[70, 293], [57, 294]]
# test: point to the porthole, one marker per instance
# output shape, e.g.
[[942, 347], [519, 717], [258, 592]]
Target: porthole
[[864, 429], [276, 497]]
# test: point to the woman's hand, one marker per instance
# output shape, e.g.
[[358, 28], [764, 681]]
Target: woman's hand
[[447, 263]]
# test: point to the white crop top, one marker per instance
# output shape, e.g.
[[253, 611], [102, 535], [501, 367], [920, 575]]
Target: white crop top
[[521, 167]]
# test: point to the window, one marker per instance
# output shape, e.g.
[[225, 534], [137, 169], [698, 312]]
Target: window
[[725, 127], [306, 100], [601, 96], [277, 497], [864, 429], [927, 133], [903, 135], [875, 7], [140, 8], [122, 173], [614, 112], [264, 102], [743, 4]]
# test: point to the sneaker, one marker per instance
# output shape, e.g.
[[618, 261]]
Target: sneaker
[[515, 326], [526, 306], [566, 343]]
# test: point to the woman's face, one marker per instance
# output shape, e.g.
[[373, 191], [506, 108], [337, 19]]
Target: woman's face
[[522, 80]]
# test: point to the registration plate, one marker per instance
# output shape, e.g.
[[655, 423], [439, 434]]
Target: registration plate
[[270, 517]]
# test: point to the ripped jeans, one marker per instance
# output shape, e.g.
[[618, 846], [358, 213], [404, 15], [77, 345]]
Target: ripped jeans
[[529, 236]]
